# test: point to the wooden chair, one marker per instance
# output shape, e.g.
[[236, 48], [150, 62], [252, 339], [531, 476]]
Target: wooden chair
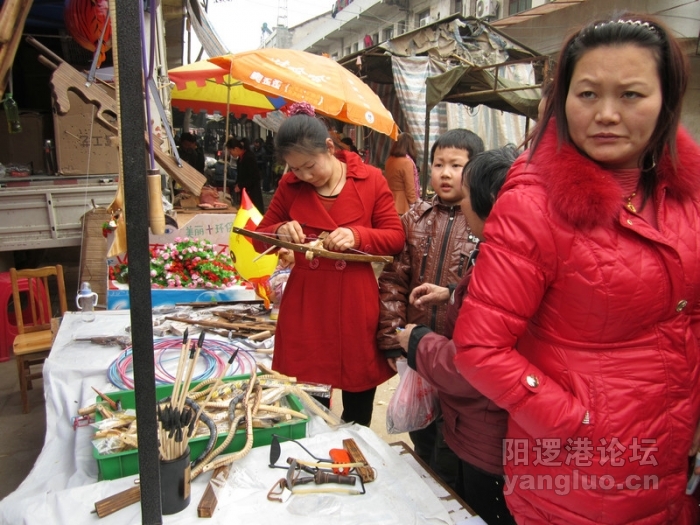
[[33, 341]]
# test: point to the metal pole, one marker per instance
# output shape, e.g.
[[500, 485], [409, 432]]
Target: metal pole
[[228, 112], [133, 156], [426, 139]]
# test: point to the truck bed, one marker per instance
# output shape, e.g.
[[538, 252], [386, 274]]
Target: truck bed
[[45, 212]]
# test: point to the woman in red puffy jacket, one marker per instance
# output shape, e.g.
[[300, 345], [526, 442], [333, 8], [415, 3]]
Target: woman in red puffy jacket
[[584, 308]]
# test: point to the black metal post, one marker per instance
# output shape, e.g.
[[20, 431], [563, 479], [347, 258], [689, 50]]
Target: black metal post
[[133, 154]]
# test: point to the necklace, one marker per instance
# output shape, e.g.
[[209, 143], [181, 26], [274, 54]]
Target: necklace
[[629, 204], [342, 173]]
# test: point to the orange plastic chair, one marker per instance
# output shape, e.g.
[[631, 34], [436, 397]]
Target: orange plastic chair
[[33, 341]]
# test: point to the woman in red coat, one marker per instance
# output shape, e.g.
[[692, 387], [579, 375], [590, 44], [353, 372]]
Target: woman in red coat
[[584, 307], [330, 309]]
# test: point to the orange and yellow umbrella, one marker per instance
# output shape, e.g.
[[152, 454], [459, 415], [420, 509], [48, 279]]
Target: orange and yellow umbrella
[[204, 86], [298, 76]]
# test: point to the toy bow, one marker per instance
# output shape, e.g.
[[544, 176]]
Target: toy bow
[[314, 250]]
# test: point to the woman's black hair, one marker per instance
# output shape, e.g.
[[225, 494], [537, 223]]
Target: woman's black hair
[[484, 175], [350, 144], [301, 134], [234, 143], [672, 66]]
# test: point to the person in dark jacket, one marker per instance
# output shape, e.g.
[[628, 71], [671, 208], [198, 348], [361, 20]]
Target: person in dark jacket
[[474, 427], [190, 151], [436, 251], [248, 176], [261, 160]]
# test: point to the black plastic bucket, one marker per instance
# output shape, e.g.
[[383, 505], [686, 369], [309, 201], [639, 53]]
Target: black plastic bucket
[[175, 483]]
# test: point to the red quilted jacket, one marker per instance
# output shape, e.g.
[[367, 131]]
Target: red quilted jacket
[[604, 311]]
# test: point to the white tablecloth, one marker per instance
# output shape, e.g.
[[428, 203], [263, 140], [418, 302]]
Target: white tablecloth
[[62, 487]]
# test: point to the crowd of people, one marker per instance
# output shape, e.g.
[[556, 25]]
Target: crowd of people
[[567, 360], [254, 165]]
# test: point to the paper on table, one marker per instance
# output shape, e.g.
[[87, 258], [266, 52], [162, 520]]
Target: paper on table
[[397, 496]]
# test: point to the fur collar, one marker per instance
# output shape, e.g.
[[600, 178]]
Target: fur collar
[[586, 195]]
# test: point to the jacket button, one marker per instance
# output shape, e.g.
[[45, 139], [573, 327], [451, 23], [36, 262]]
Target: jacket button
[[313, 263], [532, 381], [340, 265], [681, 304]]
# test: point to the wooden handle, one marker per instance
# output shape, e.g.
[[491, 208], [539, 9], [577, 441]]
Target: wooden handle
[[260, 336], [207, 505], [117, 502], [87, 410], [156, 217], [366, 472]]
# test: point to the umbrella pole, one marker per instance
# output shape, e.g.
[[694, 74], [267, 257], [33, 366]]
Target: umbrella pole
[[228, 106], [426, 138]]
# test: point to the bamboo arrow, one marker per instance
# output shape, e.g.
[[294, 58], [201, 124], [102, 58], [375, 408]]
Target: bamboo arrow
[[315, 250]]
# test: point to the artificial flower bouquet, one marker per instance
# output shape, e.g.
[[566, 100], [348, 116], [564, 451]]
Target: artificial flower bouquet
[[185, 263]]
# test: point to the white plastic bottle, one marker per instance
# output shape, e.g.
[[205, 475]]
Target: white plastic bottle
[[86, 301]]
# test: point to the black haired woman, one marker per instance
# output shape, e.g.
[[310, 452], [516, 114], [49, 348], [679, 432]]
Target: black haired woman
[[584, 307], [330, 309]]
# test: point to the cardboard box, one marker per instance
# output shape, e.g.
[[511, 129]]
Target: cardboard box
[[84, 146], [26, 148]]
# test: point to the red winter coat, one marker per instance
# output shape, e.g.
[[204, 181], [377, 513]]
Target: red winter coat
[[474, 426], [604, 311], [330, 309]]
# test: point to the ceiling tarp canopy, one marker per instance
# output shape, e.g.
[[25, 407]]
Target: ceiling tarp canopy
[[473, 86], [473, 55]]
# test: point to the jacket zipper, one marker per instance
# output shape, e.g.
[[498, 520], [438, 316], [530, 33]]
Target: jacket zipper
[[425, 260], [441, 260], [460, 268]]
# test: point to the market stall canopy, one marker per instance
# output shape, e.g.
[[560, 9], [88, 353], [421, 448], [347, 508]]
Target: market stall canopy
[[472, 86], [303, 77], [472, 55], [204, 86]]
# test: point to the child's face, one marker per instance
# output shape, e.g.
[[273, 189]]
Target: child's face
[[476, 224], [446, 173]]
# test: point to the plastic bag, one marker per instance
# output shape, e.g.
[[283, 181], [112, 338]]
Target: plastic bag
[[415, 402]]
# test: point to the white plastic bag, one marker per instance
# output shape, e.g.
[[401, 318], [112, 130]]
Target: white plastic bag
[[415, 402]]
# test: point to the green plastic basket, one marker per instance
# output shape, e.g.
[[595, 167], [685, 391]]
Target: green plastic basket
[[120, 464]]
